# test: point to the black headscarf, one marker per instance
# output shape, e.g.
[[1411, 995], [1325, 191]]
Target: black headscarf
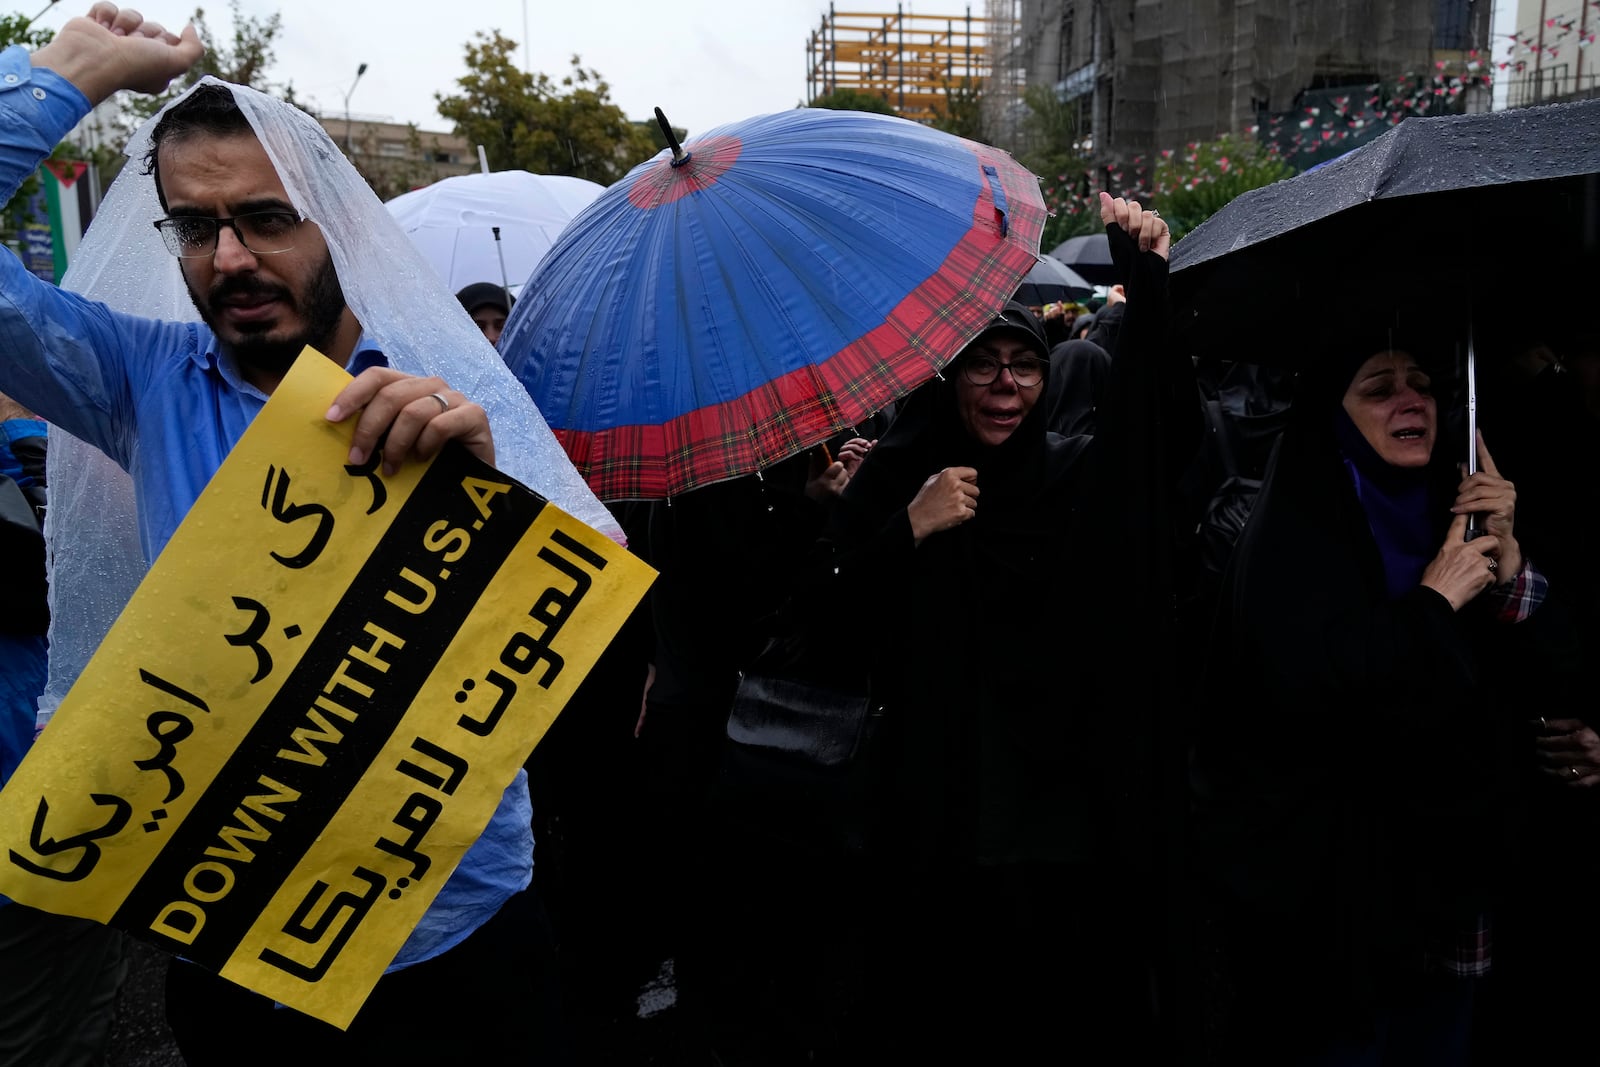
[[1078, 373], [1106, 330], [928, 436]]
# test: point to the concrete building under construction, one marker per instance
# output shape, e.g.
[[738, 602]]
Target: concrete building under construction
[[912, 62], [1153, 74]]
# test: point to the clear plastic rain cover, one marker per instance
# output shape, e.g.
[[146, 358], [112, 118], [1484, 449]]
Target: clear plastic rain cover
[[404, 307]]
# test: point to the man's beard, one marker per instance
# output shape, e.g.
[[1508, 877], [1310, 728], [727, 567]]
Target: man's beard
[[320, 309]]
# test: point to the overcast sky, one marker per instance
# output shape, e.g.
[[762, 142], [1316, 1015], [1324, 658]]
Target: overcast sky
[[703, 62]]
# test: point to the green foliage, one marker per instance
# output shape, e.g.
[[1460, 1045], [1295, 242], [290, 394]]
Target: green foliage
[[658, 138], [1071, 216], [1196, 183], [853, 100], [14, 30], [963, 110], [1054, 150], [532, 122], [243, 60], [1052, 142], [246, 59], [1188, 186]]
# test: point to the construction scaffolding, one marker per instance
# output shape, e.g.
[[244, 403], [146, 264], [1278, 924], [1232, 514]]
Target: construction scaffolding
[[912, 62], [1003, 107]]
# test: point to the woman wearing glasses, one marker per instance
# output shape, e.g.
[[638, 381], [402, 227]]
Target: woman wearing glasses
[[973, 528]]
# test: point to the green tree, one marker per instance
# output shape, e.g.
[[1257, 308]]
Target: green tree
[[244, 59], [963, 110], [14, 29], [1053, 149], [853, 100], [1051, 141], [659, 139], [1196, 183], [532, 122]]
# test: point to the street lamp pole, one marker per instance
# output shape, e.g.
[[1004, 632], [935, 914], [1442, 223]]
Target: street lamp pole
[[348, 150], [40, 15]]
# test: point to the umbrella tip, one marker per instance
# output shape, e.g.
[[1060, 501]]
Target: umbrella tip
[[679, 156]]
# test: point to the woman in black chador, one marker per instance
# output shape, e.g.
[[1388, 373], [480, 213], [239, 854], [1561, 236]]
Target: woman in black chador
[[1000, 917], [1368, 669]]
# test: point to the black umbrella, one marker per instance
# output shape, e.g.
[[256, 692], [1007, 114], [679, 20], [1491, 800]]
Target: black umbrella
[[1435, 210], [1090, 256], [1449, 232], [1051, 280]]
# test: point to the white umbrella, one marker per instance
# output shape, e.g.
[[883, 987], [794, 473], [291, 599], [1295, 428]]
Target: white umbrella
[[452, 222]]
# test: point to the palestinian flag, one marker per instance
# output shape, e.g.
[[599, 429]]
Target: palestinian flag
[[66, 189]]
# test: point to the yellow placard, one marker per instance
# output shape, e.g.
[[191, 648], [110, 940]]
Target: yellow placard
[[311, 706]]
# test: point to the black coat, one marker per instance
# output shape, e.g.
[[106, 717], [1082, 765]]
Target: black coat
[[989, 653], [1352, 764]]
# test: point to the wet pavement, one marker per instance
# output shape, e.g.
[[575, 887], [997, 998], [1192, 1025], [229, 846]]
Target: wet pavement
[[646, 1033], [140, 1037]]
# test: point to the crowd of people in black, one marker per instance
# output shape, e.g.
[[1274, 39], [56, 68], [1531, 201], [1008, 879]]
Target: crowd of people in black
[[1145, 782]]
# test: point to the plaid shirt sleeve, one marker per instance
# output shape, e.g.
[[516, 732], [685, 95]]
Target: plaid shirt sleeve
[[1464, 951], [1516, 600]]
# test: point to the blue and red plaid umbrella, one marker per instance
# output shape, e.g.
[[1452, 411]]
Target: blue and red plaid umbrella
[[786, 277]]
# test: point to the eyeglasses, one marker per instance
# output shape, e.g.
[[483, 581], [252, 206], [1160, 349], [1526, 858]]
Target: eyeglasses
[[1027, 372], [263, 232]]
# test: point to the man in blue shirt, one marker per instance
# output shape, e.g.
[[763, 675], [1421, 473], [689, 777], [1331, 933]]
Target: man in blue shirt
[[167, 400]]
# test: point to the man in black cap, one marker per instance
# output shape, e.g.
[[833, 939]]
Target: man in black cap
[[489, 305]]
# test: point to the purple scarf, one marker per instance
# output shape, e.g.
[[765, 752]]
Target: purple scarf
[[1396, 501]]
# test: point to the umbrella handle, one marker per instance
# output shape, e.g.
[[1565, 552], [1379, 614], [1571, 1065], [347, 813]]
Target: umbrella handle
[[679, 156], [505, 280], [1474, 520]]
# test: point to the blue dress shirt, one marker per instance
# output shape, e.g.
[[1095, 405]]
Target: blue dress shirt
[[161, 400]]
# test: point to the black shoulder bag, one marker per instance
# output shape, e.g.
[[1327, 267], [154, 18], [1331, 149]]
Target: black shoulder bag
[[23, 553], [797, 763]]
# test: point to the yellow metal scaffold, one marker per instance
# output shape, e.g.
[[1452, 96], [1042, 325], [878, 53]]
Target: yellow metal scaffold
[[912, 62]]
